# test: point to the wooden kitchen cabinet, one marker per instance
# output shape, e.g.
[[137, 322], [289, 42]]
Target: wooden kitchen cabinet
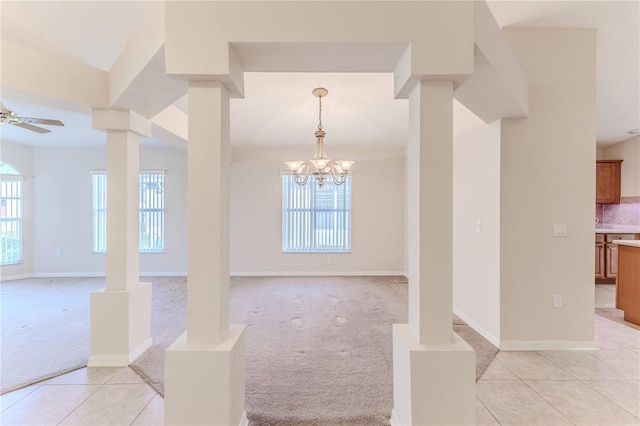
[[606, 267], [608, 181], [600, 256]]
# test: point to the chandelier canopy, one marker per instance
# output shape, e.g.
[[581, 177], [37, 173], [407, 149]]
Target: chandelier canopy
[[320, 167]]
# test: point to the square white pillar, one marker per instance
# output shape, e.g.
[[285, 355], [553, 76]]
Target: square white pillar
[[433, 368], [120, 325], [205, 367], [121, 312], [204, 384], [432, 384]]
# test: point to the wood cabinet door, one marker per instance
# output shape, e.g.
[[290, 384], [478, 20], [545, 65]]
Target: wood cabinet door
[[600, 260], [611, 252], [608, 182]]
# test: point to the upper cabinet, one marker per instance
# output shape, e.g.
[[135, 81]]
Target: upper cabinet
[[608, 181]]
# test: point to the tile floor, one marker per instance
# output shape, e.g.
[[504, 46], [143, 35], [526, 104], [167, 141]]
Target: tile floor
[[519, 388]]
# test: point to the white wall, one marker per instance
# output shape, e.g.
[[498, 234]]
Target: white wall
[[476, 197], [547, 176], [63, 211], [21, 157], [378, 213], [629, 151]]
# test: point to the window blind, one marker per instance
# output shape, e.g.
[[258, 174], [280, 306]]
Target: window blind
[[316, 219]]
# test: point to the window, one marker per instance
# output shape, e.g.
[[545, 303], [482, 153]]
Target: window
[[10, 216], [151, 216], [316, 219]]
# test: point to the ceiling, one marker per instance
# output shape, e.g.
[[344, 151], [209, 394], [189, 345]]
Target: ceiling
[[278, 108]]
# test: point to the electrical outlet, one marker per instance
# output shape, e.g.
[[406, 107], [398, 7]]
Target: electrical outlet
[[329, 261], [478, 226], [58, 252], [557, 301]]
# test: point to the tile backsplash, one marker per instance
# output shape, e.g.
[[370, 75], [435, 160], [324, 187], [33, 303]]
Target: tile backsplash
[[625, 213]]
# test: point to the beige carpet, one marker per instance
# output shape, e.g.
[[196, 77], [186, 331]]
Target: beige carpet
[[318, 349]]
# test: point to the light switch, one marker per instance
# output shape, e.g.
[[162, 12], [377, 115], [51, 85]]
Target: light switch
[[478, 226], [560, 230]]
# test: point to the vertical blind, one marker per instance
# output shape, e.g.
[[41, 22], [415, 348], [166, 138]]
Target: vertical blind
[[99, 183], [316, 219], [151, 212], [11, 219]]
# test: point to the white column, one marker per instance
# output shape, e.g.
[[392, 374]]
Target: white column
[[430, 212], [121, 312], [123, 170], [208, 213], [433, 368], [205, 367]]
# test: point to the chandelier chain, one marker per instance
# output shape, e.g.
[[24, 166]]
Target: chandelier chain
[[320, 113]]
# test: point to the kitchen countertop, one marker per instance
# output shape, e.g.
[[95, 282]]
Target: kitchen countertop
[[632, 243], [617, 229]]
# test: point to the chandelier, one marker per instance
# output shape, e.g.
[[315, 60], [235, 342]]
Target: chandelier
[[320, 166]]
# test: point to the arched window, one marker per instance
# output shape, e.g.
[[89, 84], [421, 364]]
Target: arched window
[[10, 215]]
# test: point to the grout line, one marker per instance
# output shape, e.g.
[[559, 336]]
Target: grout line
[[549, 402], [145, 407], [36, 387], [490, 412], [606, 397], [84, 400]]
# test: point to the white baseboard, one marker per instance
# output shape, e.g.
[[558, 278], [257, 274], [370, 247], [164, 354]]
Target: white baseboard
[[163, 274], [108, 361], [316, 273], [394, 421], [233, 274], [119, 360], [15, 277], [495, 341], [68, 275], [134, 354], [547, 345], [244, 421]]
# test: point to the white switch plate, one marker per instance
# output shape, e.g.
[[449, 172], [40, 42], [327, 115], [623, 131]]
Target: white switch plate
[[560, 230], [557, 301], [478, 226]]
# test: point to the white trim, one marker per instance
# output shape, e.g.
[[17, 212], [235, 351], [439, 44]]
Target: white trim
[[164, 274], [547, 345], [233, 274], [108, 361], [68, 275], [495, 341], [119, 360], [316, 273], [15, 277], [394, 421], [134, 354], [243, 420]]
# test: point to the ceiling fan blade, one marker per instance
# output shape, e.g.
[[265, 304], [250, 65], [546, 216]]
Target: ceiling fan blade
[[41, 121], [32, 128]]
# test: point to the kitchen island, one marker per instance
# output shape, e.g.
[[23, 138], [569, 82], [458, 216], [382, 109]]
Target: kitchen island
[[628, 279], [607, 252]]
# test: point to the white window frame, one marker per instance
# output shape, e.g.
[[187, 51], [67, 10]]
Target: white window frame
[[10, 217], [308, 225], [151, 211]]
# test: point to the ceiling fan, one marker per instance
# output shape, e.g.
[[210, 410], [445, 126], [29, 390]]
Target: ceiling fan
[[8, 116]]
